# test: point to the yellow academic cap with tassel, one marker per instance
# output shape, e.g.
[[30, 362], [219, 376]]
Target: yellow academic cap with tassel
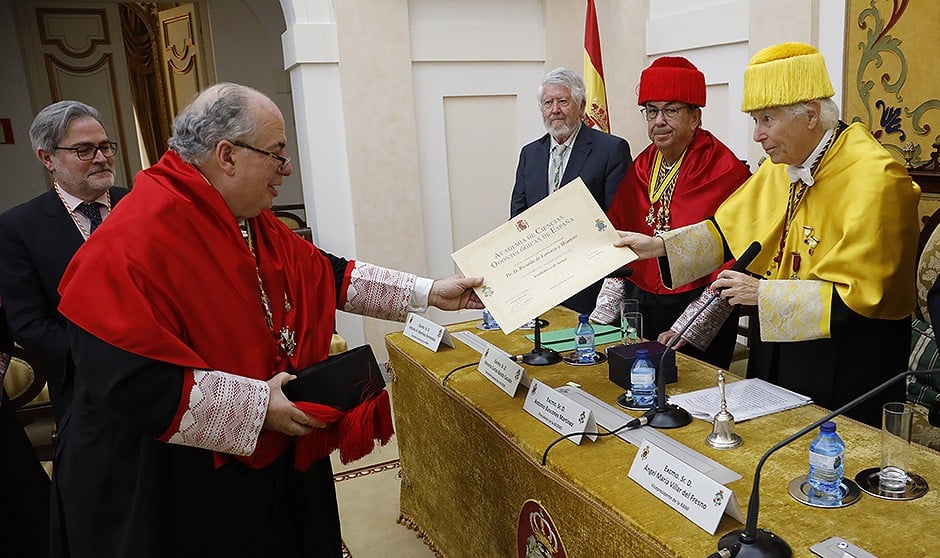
[[785, 74]]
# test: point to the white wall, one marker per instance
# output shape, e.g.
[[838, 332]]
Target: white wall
[[24, 176], [246, 43]]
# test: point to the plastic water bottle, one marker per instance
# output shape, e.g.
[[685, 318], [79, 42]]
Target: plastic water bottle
[[584, 340], [826, 466], [642, 380], [489, 322]]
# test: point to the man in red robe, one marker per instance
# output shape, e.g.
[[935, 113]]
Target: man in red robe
[[190, 308], [679, 179]]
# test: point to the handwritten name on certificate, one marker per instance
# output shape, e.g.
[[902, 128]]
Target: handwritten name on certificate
[[542, 256]]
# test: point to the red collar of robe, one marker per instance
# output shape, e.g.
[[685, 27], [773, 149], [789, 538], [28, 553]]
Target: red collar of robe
[[709, 173]]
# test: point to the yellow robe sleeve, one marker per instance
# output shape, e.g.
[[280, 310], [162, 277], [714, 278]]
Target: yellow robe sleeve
[[794, 310], [692, 252]]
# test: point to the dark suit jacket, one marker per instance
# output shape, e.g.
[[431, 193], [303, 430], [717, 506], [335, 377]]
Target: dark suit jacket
[[600, 159], [37, 241]]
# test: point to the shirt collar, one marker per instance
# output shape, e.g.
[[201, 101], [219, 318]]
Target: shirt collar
[[72, 202], [804, 171]]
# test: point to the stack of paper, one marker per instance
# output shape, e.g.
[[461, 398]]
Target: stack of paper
[[746, 399]]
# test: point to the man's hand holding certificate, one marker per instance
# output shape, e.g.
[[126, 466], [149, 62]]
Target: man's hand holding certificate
[[542, 256]]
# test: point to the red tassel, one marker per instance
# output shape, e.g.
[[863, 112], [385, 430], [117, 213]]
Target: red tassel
[[354, 432]]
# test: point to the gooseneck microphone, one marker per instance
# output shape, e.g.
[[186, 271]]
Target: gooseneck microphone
[[668, 415], [762, 543]]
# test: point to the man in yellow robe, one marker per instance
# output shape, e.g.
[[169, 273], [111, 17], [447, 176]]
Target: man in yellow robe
[[836, 217]]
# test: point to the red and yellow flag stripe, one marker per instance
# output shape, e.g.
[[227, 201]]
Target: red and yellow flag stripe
[[595, 110]]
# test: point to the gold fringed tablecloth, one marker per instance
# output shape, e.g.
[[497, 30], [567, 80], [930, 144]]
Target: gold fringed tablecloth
[[471, 455]]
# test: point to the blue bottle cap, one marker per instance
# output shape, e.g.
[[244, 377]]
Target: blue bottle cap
[[828, 426], [642, 353], [583, 318]]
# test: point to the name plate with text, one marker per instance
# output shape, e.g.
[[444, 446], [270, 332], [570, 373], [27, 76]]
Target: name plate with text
[[502, 371], [426, 333], [685, 489], [560, 412]]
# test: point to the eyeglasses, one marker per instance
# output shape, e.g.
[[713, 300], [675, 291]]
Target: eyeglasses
[[284, 161], [87, 152], [669, 113]]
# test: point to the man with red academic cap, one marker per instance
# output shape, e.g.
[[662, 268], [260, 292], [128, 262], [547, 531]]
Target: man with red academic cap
[[189, 309], [679, 179]]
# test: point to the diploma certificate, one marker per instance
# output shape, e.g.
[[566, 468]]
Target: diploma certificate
[[542, 256]]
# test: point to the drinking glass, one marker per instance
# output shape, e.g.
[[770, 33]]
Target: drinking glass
[[631, 322], [897, 420]]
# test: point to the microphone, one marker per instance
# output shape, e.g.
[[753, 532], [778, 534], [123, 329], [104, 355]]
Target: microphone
[[539, 355], [762, 543], [667, 415]]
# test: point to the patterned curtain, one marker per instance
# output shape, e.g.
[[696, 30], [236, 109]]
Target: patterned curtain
[[139, 28]]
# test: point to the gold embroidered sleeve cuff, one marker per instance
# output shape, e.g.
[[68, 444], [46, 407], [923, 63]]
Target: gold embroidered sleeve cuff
[[691, 252], [378, 292], [607, 308], [794, 310], [225, 413]]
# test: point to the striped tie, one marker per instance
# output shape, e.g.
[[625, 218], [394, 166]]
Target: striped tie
[[558, 156]]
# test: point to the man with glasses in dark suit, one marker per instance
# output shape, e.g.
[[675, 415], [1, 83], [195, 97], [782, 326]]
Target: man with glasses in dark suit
[[39, 237]]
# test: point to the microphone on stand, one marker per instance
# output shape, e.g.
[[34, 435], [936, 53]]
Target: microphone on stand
[[543, 356], [668, 415], [539, 355], [762, 543]]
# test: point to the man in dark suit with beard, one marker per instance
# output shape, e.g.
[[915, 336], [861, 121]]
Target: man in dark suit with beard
[[39, 237], [569, 150]]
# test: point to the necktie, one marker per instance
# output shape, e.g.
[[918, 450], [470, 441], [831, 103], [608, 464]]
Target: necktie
[[558, 155], [90, 210]]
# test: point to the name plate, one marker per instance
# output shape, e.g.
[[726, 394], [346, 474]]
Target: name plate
[[502, 371], [426, 333], [560, 412], [685, 489]]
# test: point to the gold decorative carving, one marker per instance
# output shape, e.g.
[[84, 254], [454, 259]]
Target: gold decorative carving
[[179, 38], [49, 21]]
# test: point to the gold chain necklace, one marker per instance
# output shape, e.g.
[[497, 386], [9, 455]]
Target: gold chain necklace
[[265, 301]]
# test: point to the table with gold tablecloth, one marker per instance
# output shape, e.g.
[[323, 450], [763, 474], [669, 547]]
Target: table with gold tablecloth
[[470, 458]]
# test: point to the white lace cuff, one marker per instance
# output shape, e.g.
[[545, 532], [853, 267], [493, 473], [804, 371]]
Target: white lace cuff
[[225, 413], [380, 293], [607, 308]]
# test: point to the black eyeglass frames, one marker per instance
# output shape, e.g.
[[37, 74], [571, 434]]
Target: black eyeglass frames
[[284, 161], [87, 152]]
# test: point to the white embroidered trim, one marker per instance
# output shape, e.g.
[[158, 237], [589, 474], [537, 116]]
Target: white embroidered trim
[[607, 307], [225, 414], [693, 252], [379, 292], [792, 310]]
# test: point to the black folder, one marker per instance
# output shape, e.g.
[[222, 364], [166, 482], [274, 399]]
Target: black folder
[[342, 381]]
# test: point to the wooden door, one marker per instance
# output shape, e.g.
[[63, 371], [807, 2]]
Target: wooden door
[[182, 55]]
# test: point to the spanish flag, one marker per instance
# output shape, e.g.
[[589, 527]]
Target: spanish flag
[[595, 111]]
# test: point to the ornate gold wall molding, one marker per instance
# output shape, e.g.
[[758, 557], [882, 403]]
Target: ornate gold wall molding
[[76, 32], [892, 48]]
